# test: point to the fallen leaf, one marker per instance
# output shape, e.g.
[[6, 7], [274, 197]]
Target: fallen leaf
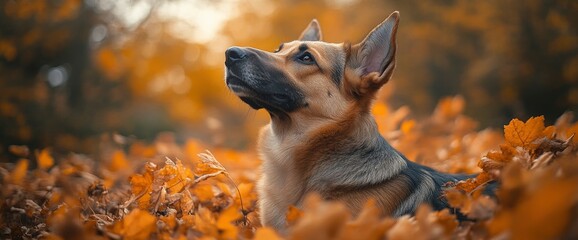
[[266, 233], [138, 224], [522, 134]]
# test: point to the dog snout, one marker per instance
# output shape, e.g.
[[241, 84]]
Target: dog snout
[[235, 54]]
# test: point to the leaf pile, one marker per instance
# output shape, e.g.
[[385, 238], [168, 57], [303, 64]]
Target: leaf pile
[[165, 190]]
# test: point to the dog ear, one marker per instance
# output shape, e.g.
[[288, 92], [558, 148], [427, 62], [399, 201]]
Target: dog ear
[[312, 32], [374, 57]]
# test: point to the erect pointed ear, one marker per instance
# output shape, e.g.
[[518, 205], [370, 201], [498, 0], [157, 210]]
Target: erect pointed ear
[[312, 32], [374, 57]]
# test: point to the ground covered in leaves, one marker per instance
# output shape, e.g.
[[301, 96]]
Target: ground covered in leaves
[[165, 190]]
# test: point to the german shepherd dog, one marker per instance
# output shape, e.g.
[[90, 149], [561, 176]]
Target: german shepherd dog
[[322, 137]]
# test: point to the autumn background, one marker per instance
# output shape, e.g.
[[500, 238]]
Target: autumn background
[[96, 89]]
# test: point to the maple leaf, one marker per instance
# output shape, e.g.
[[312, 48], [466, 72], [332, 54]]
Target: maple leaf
[[520, 134], [141, 185]]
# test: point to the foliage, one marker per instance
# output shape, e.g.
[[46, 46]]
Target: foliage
[[169, 191]]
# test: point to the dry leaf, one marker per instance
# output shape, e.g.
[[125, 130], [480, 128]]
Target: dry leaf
[[266, 233], [520, 134], [138, 224]]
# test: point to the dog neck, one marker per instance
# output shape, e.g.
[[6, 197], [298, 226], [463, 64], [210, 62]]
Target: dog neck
[[336, 153]]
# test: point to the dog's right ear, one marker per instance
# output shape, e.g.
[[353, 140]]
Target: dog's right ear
[[374, 57], [312, 32]]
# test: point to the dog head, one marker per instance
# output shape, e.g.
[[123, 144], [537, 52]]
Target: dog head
[[311, 78]]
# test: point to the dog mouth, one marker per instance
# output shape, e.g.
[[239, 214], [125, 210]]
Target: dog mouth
[[256, 98], [242, 90]]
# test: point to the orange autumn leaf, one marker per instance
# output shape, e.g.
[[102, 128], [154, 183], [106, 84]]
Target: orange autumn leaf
[[542, 214], [472, 184], [248, 194], [368, 224], [293, 214], [18, 174], [379, 110], [522, 134], [320, 220], [141, 185], [176, 175], [225, 222], [205, 222], [18, 150], [204, 192], [266, 233], [550, 132], [118, 161], [407, 126], [497, 159], [455, 197], [446, 220], [138, 224], [44, 159], [450, 107]]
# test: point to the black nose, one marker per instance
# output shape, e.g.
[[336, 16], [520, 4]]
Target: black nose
[[235, 53]]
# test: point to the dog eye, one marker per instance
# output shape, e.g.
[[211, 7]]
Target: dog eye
[[306, 58]]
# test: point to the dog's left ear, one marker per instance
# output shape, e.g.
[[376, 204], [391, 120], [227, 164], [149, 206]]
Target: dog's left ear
[[312, 32], [374, 57]]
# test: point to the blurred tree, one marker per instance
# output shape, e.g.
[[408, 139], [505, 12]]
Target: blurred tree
[[51, 93], [509, 58]]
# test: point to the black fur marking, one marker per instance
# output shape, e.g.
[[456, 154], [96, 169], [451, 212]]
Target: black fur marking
[[303, 47], [337, 73]]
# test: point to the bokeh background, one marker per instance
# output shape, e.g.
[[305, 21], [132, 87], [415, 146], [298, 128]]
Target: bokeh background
[[72, 71]]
